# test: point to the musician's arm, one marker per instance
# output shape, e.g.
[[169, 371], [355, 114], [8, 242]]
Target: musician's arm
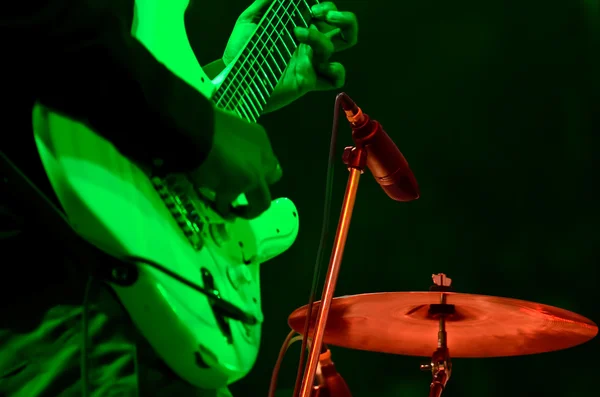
[[79, 58]]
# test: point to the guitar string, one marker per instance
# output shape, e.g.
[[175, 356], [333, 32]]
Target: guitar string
[[268, 21], [240, 63], [255, 60], [266, 77], [271, 51], [243, 66]]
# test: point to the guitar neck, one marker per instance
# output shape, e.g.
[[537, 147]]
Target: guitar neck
[[252, 79]]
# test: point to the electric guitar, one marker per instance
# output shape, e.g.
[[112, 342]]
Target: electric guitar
[[123, 210]]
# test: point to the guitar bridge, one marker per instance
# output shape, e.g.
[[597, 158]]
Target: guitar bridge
[[177, 192]]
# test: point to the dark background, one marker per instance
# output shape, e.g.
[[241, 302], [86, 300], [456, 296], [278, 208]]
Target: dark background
[[495, 105]]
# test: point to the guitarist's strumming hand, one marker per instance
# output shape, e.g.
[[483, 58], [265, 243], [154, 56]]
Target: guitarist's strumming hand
[[241, 161], [310, 68]]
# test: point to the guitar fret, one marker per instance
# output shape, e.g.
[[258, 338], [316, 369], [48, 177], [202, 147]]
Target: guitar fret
[[304, 23], [235, 95], [246, 113], [265, 77], [259, 91], [256, 100], [261, 75], [270, 53], [243, 103], [249, 84], [293, 44], [255, 103], [252, 107], [271, 46], [279, 36]]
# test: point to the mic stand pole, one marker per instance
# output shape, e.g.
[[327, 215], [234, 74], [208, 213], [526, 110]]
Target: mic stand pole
[[356, 160]]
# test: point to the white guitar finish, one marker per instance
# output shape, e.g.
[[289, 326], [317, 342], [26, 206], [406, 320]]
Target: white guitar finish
[[113, 203]]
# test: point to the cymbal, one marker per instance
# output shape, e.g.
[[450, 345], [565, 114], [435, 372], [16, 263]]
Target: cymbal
[[481, 326]]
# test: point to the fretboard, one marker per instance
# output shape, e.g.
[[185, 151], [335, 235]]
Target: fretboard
[[248, 86]]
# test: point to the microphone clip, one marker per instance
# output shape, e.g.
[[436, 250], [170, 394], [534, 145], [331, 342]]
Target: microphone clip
[[355, 157]]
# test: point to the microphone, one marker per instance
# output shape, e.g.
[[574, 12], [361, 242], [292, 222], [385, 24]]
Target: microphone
[[384, 159], [330, 382]]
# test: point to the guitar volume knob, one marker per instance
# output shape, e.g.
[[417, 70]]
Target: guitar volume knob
[[239, 275]]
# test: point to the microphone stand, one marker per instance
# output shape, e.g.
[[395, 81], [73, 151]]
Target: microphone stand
[[356, 160]]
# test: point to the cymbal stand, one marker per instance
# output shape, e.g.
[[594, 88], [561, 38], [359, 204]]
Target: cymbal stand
[[441, 365], [356, 160]]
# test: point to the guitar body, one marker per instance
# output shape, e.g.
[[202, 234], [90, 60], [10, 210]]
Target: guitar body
[[116, 205]]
